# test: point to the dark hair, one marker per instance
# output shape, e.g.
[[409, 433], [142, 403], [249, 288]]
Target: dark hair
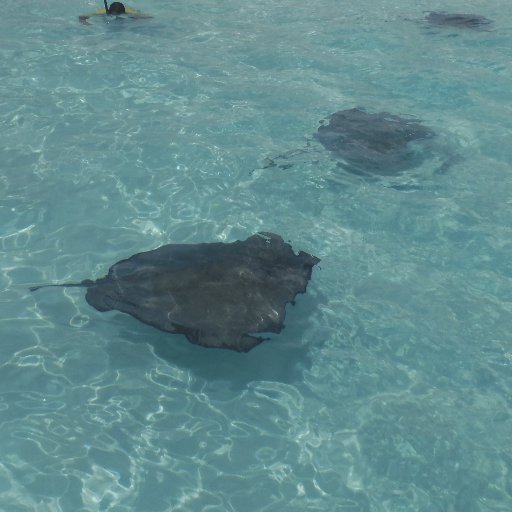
[[116, 8]]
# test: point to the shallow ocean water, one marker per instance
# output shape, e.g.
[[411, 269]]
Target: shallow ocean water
[[389, 388]]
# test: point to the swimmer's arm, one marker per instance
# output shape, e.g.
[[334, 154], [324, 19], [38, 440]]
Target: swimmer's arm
[[138, 15], [84, 17]]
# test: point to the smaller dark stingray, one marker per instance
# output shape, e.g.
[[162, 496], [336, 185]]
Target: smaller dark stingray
[[458, 20], [373, 143], [216, 294]]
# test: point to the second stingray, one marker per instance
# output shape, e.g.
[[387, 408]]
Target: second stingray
[[380, 143], [369, 144]]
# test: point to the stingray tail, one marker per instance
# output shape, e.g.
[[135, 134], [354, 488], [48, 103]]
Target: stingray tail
[[289, 155], [85, 283]]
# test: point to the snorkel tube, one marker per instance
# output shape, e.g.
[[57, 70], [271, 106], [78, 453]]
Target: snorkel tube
[[106, 6]]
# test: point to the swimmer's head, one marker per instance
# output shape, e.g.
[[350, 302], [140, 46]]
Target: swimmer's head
[[116, 8]]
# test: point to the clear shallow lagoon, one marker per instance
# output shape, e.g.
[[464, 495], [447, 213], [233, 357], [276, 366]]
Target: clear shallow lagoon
[[390, 389]]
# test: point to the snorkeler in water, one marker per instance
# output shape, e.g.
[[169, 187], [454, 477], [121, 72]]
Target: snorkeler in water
[[115, 9]]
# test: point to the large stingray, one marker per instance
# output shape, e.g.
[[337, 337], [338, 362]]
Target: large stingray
[[457, 20], [379, 143], [216, 294]]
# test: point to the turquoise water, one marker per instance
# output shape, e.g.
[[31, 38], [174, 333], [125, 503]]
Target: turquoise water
[[389, 388]]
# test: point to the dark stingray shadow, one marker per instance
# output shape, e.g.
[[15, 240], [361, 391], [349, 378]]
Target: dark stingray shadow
[[282, 358], [457, 20], [454, 25]]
